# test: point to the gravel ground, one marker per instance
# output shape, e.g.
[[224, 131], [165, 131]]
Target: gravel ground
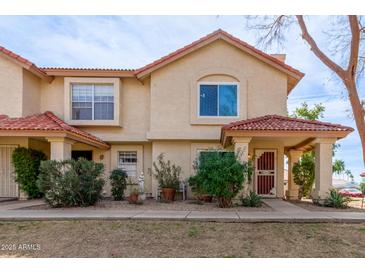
[[155, 205], [179, 239], [354, 206]]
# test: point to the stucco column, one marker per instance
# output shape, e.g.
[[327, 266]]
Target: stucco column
[[241, 147], [323, 171], [241, 150], [293, 188], [60, 148]]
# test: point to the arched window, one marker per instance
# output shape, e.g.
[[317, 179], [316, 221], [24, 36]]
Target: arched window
[[218, 99]]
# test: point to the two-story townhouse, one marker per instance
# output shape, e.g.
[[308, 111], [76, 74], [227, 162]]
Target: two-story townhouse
[[218, 92]]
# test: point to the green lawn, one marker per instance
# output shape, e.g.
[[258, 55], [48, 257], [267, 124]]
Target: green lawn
[[180, 239]]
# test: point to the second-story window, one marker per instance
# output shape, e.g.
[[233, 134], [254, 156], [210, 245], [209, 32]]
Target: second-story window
[[218, 100], [92, 101]]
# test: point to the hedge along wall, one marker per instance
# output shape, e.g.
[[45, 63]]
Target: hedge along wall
[[26, 165]]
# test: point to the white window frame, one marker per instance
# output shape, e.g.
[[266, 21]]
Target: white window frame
[[218, 83], [68, 81], [136, 163], [92, 101]]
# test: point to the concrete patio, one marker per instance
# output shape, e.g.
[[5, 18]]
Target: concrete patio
[[282, 212]]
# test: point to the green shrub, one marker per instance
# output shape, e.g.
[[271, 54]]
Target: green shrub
[[220, 174], [166, 173], [71, 182], [336, 200], [303, 174], [118, 178], [26, 164], [251, 200]]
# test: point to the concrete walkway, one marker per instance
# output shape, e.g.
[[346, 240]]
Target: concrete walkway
[[12, 205], [284, 207], [282, 212]]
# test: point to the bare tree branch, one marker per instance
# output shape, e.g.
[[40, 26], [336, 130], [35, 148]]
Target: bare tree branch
[[316, 50], [349, 41]]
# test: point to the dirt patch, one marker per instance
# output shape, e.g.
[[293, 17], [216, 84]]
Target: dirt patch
[[308, 205], [181, 239], [155, 205]]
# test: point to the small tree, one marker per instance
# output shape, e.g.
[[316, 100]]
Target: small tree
[[118, 178], [26, 163], [303, 175], [362, 187], [220, 175], [304, 112]]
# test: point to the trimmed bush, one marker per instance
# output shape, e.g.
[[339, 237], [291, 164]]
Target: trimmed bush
[[221, 175], [304, 174], [118, 179], [251, 200], [71, 182], [26, 164]]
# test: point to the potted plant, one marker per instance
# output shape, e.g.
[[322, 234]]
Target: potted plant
[[133, 196], [168, 176]]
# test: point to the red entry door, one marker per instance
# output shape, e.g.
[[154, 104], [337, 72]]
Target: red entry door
[[265, 170]]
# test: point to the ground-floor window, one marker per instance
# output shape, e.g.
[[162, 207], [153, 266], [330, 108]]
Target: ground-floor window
[[204, 154], [127, 160]]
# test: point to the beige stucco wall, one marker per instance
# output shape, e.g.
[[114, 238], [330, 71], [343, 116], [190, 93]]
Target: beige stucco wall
[[52, 97], [19, 141], [182, 153], [31, 93], [135, 111], [43, 146], [133, 108], [262, 90], [144, 160], [11, 85]]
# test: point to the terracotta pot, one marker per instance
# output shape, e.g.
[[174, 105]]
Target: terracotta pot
[[168, 194], [133, 198]]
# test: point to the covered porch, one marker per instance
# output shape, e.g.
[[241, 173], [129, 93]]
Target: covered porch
[[47, 133], [266, 140]]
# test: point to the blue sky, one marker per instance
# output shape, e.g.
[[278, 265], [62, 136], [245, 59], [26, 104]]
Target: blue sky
[[133, 41]]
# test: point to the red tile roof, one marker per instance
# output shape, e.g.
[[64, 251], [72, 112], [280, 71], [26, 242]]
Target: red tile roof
[[218, 33], [92, 69], [362, 174], [46, 121], [28, 64], [277, 122], [50, 71]]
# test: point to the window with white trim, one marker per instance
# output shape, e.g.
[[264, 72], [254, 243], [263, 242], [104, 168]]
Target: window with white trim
[[218, 100], [127, 160], [92, 101]]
